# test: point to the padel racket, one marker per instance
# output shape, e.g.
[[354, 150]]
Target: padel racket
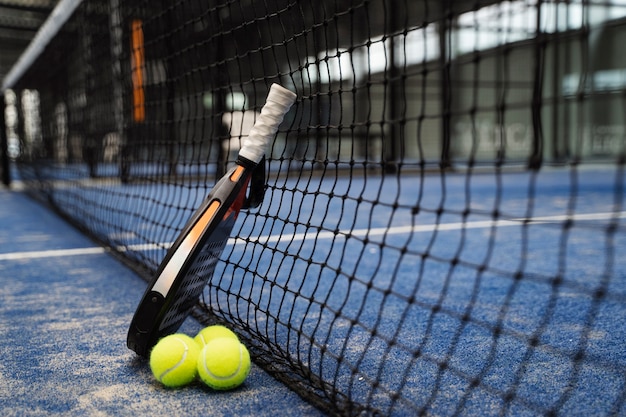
[[190, 262]]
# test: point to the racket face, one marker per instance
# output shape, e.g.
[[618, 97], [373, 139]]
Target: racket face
[[191, 260], [189, 264]]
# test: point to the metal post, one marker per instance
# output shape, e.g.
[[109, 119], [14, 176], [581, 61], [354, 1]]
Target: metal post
[[116, 30], [219, 82], [445, 81], [536, 157], [394, 96], [4, 145]]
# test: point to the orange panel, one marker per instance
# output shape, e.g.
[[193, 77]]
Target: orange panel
[[137, 69]]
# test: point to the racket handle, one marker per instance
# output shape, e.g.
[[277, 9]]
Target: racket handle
[[279, 101]]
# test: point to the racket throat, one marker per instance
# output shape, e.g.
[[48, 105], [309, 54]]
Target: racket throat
[[257, 185]]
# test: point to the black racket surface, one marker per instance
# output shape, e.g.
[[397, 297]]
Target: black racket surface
[[189, 263], [191, 260]]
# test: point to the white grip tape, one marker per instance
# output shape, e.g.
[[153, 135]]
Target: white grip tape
[[279, 101]]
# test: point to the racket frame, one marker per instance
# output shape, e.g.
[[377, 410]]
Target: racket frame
[[172, 278]]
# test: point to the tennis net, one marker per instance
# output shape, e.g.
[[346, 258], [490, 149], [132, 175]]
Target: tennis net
[[444, 211]]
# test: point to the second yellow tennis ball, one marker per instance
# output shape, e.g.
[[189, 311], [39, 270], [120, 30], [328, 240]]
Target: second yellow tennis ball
[[224, 363], [173, 360], [213, 332]]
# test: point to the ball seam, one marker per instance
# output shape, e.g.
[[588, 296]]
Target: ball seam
[[227, 377], [177, 364]]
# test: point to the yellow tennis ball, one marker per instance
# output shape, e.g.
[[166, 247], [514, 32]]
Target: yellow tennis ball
[[213, 332], [224, 363], [173, 360]]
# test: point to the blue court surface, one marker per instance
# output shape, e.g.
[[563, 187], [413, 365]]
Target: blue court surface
[[559, 331], [64, 312]]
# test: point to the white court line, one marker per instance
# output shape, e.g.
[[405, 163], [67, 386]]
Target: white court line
[[50, 253], [443, 227], [59, 253], [323, 235]]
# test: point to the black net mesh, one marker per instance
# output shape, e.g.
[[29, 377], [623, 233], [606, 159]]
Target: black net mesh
[[444, 212]]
